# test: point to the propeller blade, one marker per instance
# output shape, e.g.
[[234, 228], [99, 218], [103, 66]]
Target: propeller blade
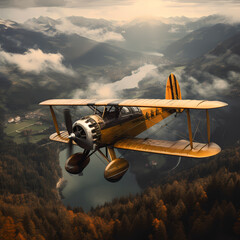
[[68, 123], [68, 120], [81, 142], [70, 148]]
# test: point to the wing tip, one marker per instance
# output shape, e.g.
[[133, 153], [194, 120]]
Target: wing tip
[[46, 102]]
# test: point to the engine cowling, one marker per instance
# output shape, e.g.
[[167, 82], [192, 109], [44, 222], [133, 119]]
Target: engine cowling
[[86, 132]]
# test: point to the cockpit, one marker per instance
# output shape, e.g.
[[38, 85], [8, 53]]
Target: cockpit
[[119, 114]]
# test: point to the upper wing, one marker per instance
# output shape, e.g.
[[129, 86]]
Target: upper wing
[[161, 103], [176, 148]]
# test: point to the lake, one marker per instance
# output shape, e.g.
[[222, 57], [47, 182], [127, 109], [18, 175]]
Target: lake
[[92, 189]]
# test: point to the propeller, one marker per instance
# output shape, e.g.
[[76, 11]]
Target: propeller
[[68, 123], [79, 136]]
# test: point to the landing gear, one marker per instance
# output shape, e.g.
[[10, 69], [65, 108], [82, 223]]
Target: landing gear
[[77, 162], [113, 172]]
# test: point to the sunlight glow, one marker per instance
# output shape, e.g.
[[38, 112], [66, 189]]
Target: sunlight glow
[[128, 10]]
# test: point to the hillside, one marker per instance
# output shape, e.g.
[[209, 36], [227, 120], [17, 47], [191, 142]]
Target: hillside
[[222, 60], [41, 65], [215, 76], [200, 42], [193, 204]]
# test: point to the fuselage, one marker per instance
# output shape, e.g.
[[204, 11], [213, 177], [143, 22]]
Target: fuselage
[[106, 127], [130, 122]]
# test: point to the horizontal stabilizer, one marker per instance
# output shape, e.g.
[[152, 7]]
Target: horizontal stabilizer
[[158, 103], [175, 148]]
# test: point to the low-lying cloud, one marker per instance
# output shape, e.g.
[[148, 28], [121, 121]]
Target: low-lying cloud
[[52, 27], [97, 34], [114, 90], [149, 81], [36, 61], [201, 85], [208, 89]]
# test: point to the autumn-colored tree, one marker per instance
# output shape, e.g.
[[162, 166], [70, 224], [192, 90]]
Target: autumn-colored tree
[[159, 230], [161, 211], [8, 230]]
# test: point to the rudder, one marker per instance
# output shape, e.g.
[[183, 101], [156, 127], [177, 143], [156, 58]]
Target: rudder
[[173, 89]]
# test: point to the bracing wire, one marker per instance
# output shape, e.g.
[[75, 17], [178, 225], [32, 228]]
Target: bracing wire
[[179, 161], [166, 127], [150, 134], [194, 135], [178, 135], [197, 128]]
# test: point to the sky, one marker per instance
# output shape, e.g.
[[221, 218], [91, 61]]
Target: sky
[[21, 10]]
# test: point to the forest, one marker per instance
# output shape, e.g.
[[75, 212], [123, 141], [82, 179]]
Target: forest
[[196, 203]]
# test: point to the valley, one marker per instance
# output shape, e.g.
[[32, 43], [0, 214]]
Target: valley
[[76, 57]]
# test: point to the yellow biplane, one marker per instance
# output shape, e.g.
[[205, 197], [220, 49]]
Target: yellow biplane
[[115, 123]]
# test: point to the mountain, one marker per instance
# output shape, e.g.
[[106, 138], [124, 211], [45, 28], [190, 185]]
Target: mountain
[[99, 30], [142, 34], [215, 76], [199, 42], [222, 61], [38, 63], [72, 47], [157, 34]]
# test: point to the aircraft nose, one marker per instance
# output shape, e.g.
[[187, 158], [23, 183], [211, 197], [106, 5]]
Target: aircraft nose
[[72, 136]]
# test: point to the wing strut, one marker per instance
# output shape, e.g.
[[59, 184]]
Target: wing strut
[[111, 153], [103, 155], [208, 125], [54, 120], [189, 128]]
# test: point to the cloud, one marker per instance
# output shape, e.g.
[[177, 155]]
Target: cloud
[[201, 85], [97, 34], [113, 90], [93, 3], [31, 3], [233, 60], [98, 3], [60, 3], [210, 88], [205, 1], [234, 77], [92, 29], [36, 61], [115, 9]]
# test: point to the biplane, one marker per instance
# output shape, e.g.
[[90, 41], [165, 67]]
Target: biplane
[[115, 123]]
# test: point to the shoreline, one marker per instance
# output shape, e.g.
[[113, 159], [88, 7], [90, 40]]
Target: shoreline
[[61, 184]]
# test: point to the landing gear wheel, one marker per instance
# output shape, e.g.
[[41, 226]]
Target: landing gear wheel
[[76, 163]]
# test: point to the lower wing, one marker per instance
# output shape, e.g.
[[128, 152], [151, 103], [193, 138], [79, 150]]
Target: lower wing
[[175, 148]]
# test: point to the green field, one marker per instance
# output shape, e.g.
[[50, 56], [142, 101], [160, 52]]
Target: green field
[[35, 129]]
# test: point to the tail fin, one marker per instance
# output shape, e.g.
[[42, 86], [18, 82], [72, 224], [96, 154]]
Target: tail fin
[[173, 89]]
